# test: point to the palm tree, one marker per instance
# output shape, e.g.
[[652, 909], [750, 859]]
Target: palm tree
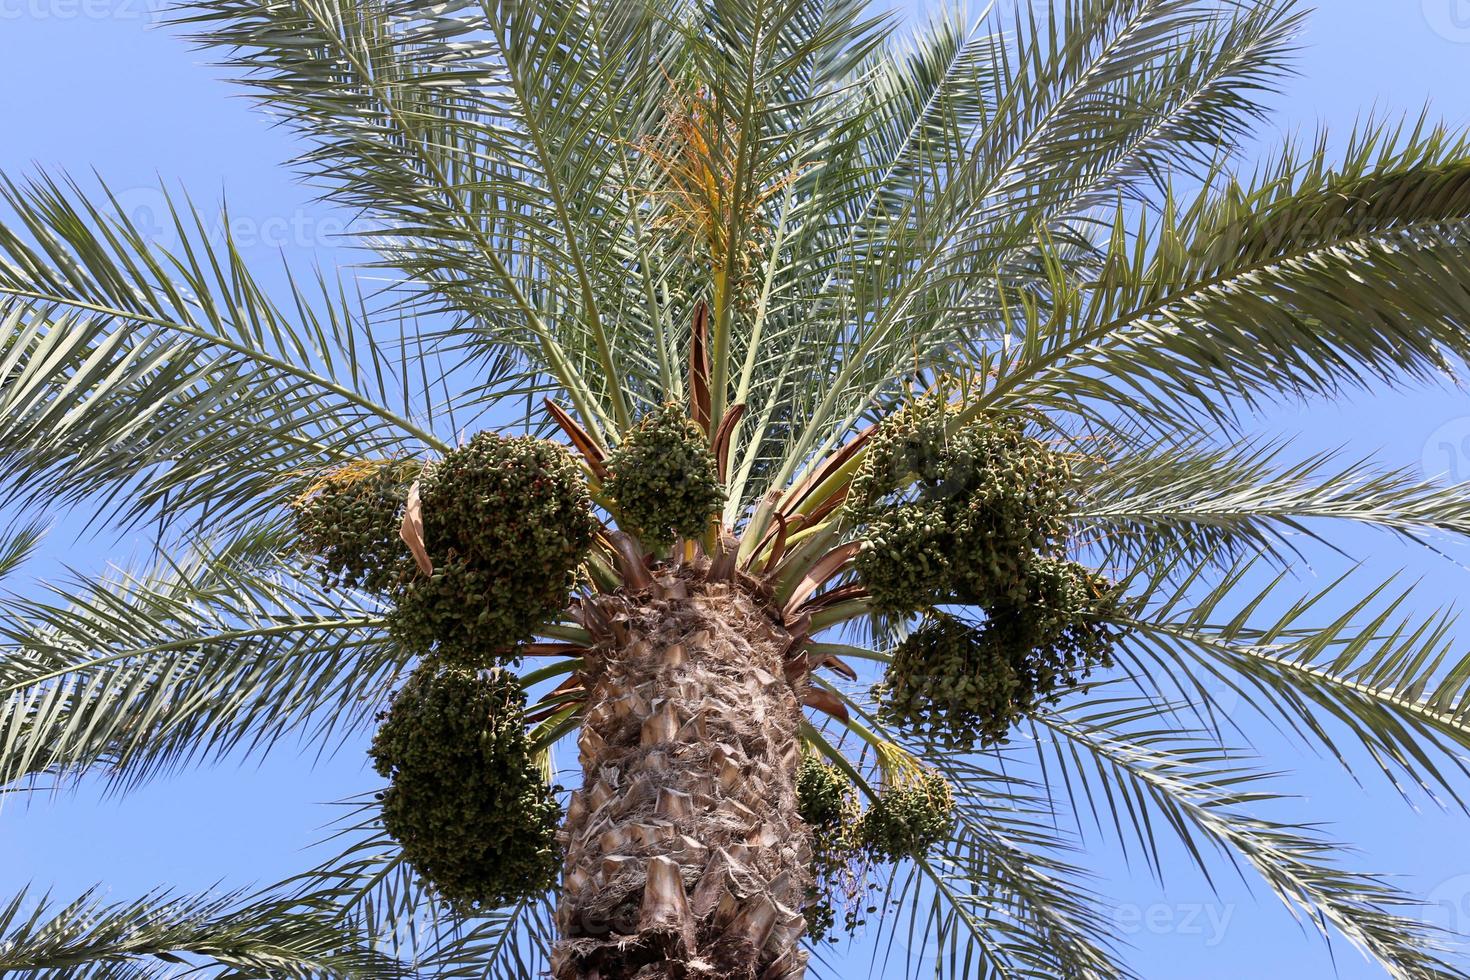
[[933, 358]]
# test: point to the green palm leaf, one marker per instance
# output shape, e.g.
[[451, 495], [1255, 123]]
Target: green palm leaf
[[218, 652], [1200, 790], [153, 937], [132, 371]]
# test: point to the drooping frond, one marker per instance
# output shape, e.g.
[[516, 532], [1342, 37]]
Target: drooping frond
[[150, 938], [368, 886], [16, 545], [215, 652], [1387, 678], [1251, 498], [1211, 801], [1311, 279]]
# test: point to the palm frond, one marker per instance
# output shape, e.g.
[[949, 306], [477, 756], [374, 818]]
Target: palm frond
[[1389, 679], [17, 544], [1210, 801], [218, 651], [1251, 498], [484, 173], [370, 888], [131, 372], [1119, 86], [153, 937], [1311, 279]]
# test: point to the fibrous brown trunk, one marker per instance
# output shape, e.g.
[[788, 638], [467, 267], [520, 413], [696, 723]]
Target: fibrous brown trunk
[[685, 856]]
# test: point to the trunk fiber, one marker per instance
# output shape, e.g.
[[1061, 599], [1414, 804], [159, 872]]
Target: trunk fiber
[[685, 856]]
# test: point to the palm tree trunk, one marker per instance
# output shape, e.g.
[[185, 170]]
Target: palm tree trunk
[[685, 856]]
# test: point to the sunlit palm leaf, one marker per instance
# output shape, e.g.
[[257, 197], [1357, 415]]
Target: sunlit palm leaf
[[1203, 791], [213, 653], [154, 937], [131, 372]]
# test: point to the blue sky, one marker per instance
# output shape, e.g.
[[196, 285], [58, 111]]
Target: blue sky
[[88, 84]]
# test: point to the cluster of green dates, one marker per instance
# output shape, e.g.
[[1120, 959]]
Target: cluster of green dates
[[975, 513], [663, 478], [905, 821], [506, 524], [349, 516], [507, 521], [955, 512], [961, 684], [467, 801]]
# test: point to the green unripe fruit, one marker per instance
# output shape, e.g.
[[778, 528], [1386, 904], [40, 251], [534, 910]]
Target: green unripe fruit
[[506, 523], [664, 479], [906, 557], [825, 803], [954, 683], [974, 513], [1065, 625], [349, 517], [467, 801], [821, 793], [906, 821], [962, 685], [954, 511]]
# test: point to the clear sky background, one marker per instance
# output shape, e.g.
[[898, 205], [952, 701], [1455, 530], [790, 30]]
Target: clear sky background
[[91, 84]]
